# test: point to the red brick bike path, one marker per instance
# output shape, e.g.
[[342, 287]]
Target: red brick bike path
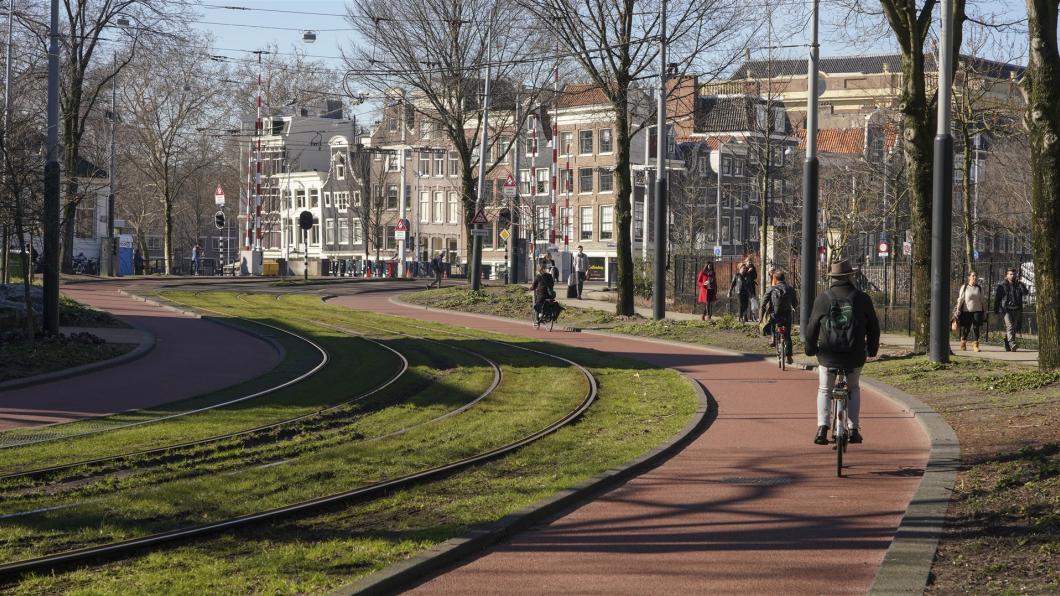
[[750, 507], [190, 357]]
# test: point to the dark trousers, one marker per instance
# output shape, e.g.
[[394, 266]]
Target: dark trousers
[[970, 323], [784, 322], [745, 306], [581, 282]]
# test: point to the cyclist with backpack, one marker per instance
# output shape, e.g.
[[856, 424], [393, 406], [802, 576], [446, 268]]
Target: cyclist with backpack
[[778, 303], [841, 332]]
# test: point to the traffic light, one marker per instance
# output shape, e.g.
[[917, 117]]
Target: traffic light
[[504, 219], [219, 220]]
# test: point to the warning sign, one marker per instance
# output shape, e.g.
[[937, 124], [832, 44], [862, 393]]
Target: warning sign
[[480, 218]]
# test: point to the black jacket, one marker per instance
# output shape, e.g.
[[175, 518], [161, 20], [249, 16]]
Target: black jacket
[[779, 301], [1009, 296], [867, 341], [543, 287]]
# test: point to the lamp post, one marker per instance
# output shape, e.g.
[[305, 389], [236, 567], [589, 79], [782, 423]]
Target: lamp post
[[809, 181], [659, 280], [942, 202]]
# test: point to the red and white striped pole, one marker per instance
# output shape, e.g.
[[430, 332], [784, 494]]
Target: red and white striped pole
[[258, 131], [554, 169]]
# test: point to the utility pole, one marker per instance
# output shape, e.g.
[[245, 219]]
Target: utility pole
[[809, 181], [51, 183], [513, 240], [402, 195], [942, 202], [112, 174], [5, 257], [476, 259], [659, 281]]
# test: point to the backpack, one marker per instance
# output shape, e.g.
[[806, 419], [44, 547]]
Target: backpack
[[838, 327], [781, 299]]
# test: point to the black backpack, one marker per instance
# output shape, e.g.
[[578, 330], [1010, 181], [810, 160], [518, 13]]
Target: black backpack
[[839, 328], [781, 299]]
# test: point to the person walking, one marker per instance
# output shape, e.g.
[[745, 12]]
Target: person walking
[[196, 256], [1008, 301], [778, 304], [138, 262], [739, 287], [436, 269], [970, 310], [707, 282], [750, 278], [842, 330], [581, 269]]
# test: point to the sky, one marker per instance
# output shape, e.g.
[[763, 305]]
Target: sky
[[266, 22]]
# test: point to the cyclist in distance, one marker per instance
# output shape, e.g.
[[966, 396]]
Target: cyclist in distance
[[841, 332], [543, 287], [777, 306]]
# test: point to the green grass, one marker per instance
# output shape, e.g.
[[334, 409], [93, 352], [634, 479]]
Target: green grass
[[638, 408], [75, 314]]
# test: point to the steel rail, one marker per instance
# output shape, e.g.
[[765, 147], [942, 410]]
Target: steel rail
[[361, 494]]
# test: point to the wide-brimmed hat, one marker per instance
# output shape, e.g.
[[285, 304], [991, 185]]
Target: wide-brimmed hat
[[841, 269]]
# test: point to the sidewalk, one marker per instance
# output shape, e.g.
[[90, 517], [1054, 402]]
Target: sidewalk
[[191, 357], [603, 300], [750, 506]]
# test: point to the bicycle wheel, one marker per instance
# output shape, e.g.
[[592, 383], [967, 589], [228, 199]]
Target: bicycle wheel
[[840, 439]]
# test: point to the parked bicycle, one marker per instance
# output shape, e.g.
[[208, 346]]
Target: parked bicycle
[[85, 266], [838, 417]]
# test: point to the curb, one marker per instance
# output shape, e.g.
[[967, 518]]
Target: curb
[[217, 321], [906, 566], [147, 343], [403, 575]]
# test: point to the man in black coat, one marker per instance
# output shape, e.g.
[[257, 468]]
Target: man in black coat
[[850, 358], [1008, 301]]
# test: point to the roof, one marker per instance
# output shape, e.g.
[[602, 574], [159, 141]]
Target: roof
[[582, 94], [759, 69], [730, 113], [848, 141]]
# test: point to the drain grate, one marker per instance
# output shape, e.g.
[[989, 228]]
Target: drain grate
[[757, 480]]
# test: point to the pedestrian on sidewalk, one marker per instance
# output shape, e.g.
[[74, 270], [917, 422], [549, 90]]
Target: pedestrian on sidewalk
[[581, 269], [707, 282], [436, 269], [1008, 302], [196, 256], [751, 279], [970, 310], [841, 331], [739, 287], [138, 262]]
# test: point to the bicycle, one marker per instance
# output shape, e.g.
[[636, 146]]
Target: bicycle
[[548, 315], [779, 336], [838, 417]]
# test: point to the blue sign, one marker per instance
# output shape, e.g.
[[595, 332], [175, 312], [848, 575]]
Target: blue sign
[[717, 251], [975, 255]]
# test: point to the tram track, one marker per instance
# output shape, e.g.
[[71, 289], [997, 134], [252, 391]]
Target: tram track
[[360, 494]]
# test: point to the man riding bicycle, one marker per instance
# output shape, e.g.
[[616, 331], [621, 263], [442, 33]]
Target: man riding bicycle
[[777, 307], [543, 288], [841, 331]]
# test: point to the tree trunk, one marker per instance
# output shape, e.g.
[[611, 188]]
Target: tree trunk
[[966, 191], [918, 122], [5, 257], [27, 266], [623, 210], [468, 192], [1043, 120], [70, 157], [167, 233]]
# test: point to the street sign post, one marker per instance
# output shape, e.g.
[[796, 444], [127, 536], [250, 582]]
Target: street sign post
[[883, 249], [480, 218], [401, 230], [305, 221], [219, 196], [907, 248], [717, 251], [505, 234], [509, 187]]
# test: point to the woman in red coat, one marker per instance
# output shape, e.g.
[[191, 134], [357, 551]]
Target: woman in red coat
[[707, 283]]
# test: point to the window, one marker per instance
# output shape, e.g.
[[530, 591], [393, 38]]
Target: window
[[392, 162], [391, 239], [358, 231], [737, 231], [299, 199], [567, 178], [725, 230], [425, 127], [344, 231], [524, 182], [454, 165], [606, 180], [531, 145], [761, 117], [779, 122], [86, 220], [544, 222], [356, 198], [752, 228], [726, 166], [439, 163], [737, 167], [585, 142], [454, 208], [542, 181], [327, 199], [314, 233], [314, 198], [585, 223], [585, 180], [701, 164], [501, 147], [606, 221], [391, 197], [566, 143], [606, 141], [487, 240], [425, 207], [329, 231], [340, 168], [439, 207], [425, 164]]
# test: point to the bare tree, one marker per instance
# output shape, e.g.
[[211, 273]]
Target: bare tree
[[1042, 84], [615, 44]]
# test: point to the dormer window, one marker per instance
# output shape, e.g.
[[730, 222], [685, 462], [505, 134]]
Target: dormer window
[[340, 168]]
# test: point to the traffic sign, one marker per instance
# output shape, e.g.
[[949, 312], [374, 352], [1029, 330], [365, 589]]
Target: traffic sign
[[907, 248], [883, 249], [717, 251], [505, 234], [402, 225], [509, 187], [219, 195], [480, 232], [480, 218]]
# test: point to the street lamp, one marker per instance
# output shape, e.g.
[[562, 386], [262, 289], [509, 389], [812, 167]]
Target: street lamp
[[309, 37]]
